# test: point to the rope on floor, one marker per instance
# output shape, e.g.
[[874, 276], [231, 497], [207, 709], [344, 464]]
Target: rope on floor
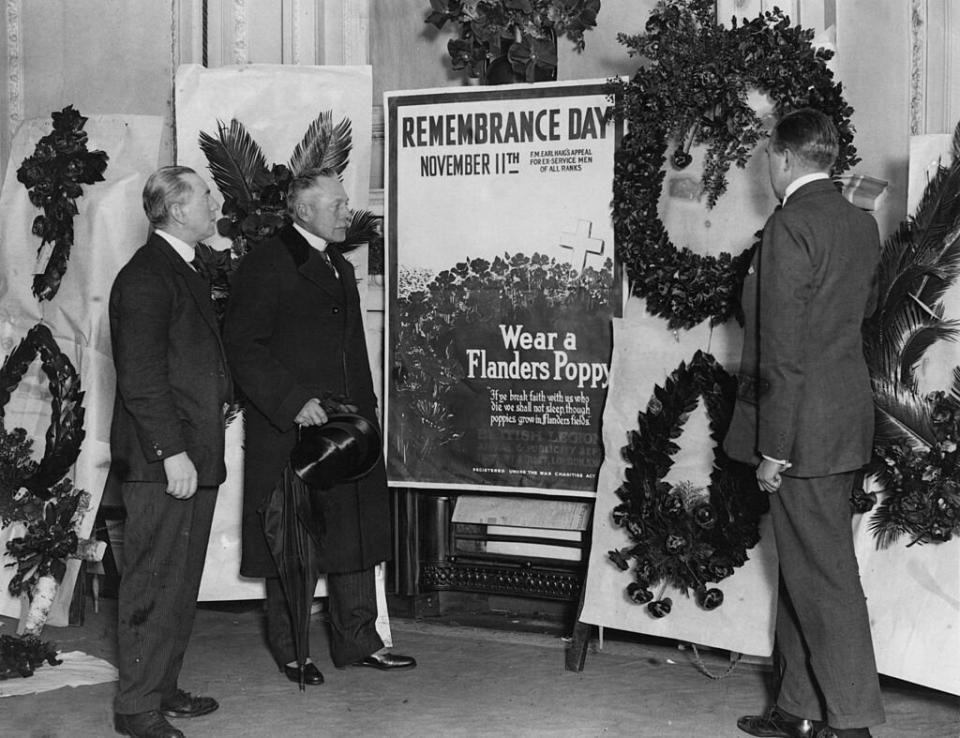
[[703, 669]]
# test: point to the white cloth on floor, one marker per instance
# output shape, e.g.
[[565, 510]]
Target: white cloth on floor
[[77, 670]]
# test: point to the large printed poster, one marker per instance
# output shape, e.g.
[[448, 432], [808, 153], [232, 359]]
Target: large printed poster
[[502, 284]]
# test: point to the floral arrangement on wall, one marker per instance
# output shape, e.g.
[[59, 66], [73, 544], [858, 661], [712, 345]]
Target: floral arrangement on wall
[[36, 496], [692, 89], [53, 175], [916, 457], [684, 536], [526, 31]]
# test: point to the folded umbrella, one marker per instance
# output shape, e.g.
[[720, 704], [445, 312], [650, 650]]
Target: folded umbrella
[[293, 534], [345, 448]]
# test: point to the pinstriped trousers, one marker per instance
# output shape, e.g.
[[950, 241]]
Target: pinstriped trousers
[[823, 629], [352, 611], [164, 546]]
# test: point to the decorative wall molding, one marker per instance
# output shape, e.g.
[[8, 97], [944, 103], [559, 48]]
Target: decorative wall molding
[[14, 40], [187, 27], [934, 66], [239, 53], [918, 18], [376, 202], [951, 68], [377, 124], [296, 43], [343, 38], [356, 32]]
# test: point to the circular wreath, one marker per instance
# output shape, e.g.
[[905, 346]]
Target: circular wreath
[[680, 535], [695, 91], [65, 433]]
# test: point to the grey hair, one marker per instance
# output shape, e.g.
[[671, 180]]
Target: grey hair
[[304, 181], [163, 188]]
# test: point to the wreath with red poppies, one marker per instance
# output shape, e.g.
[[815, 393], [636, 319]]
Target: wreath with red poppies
[[680, 535], [693, 89]]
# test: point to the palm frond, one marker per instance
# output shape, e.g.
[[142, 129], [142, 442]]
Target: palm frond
[[939, 207], [235, 160], [937, 218], [893, 348], [898, 290], [901, 416], [947, 269], [365, 227], [918, 344], [918, 264], [895, 251], [323, 146], [954, 390], [887, 525]]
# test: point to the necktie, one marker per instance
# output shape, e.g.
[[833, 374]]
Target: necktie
[[196, 262], [329, 262]]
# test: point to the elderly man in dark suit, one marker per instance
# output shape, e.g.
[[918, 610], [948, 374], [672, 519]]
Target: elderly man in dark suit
[[804, 415], [294, 335], [166, 443]]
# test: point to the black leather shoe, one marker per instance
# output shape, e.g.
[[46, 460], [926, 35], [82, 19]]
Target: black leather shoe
[[387, 661], [145, 725], [774, 724], [311, 674], [185, 705]]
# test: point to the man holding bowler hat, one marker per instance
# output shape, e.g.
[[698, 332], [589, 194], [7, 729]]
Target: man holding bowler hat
[[294, 335]]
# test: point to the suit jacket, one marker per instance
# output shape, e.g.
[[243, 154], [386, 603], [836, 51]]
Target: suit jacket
[[293, 331], [804, 391], [172, 377]]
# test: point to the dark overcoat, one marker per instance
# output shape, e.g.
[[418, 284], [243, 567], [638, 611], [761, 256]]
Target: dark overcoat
[[293, 331], [804, 392], [172, 378]]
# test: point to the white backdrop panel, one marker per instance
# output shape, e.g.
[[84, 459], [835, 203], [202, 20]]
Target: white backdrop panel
[[109, 227]]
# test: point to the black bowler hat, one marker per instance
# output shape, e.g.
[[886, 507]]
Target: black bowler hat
[[343, 449]]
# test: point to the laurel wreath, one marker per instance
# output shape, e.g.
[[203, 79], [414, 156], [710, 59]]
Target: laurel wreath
[[682, 536], [694, 90], [65, 432]]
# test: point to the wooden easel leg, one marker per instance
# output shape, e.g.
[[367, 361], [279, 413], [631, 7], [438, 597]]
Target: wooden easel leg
[[576, 653], [577, 648], [77, 611]]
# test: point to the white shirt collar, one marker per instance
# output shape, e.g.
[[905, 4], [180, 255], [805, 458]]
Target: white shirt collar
[[315, 241], [800, 182], [185, 250]]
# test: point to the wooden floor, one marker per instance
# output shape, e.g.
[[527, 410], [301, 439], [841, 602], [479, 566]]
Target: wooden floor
[[471, 681]]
